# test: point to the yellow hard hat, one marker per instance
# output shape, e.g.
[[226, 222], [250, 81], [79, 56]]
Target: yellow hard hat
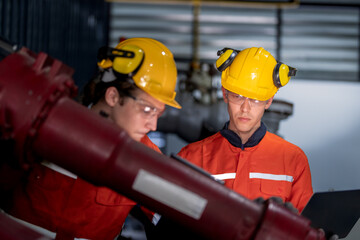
[[148, 62], [252, 72]]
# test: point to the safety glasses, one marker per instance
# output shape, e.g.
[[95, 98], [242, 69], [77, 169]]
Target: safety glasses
[[147, 111], [239, 99]]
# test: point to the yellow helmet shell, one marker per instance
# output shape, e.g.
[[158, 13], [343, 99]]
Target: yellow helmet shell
[[153, 68], [251, 74]]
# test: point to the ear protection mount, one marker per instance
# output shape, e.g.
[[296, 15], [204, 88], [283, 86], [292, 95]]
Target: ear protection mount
[[227, 56], [108, 52], [125, 61]]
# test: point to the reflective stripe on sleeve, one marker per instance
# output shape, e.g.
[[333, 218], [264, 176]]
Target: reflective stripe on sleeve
[[224, 176], [59, 169], [269, 176]]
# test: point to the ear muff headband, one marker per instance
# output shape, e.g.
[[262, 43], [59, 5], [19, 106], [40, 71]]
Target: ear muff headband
[[227, 56]]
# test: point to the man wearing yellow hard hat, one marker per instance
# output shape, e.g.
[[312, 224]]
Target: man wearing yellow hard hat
[[251, 160]]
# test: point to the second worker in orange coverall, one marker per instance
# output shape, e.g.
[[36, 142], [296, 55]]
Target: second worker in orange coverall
[[251, 160]]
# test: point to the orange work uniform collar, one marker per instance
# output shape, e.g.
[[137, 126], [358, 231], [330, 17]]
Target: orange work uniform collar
[[235, 140]]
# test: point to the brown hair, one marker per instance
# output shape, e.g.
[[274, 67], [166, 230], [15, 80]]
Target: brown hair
[[95, 89]]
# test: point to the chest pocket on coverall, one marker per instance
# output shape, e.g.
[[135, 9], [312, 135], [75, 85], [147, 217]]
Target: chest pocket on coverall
[[270, 188]]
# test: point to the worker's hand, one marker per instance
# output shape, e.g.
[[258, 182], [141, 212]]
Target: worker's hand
[[279, 201], [288, 205], [329, 236], [333, 237]]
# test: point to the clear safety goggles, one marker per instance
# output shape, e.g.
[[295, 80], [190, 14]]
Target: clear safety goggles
[[147, 111], [239, 99]]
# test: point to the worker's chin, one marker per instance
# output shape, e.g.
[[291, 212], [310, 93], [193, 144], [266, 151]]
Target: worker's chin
[[137, 136]]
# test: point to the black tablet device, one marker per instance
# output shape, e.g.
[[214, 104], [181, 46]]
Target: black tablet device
[[336, 212]]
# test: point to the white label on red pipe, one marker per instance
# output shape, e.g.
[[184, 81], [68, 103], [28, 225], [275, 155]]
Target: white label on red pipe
[[169, 194]]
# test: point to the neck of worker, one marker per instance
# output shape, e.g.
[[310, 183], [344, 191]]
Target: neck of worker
[[244, 135], [234, 139]]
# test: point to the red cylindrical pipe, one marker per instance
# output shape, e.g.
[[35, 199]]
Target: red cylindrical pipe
[[13, 230], [100, 152]]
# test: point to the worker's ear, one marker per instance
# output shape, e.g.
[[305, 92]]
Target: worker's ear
[[224, 95], [112, 96], [268, 102]]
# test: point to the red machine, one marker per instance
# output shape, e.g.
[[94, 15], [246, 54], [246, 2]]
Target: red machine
[[39, 120]]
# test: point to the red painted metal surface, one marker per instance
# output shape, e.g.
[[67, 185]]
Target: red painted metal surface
[[13, 230], [39, 116]]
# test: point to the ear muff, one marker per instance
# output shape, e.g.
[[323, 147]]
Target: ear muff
[[129, 65], [227, 56], [125, 61], [106, 56], [282, 74]]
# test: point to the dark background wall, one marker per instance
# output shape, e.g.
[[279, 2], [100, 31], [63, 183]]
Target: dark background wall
[[69, 30]]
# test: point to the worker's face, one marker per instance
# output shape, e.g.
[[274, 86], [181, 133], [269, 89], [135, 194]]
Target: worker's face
[[245, 114], [138, 115]]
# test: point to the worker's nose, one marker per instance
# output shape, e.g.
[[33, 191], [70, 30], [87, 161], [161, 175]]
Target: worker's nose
[[245, 106], [152, 123]]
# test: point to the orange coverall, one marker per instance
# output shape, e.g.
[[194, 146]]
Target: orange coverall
[[70, 206], [265, 166]]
